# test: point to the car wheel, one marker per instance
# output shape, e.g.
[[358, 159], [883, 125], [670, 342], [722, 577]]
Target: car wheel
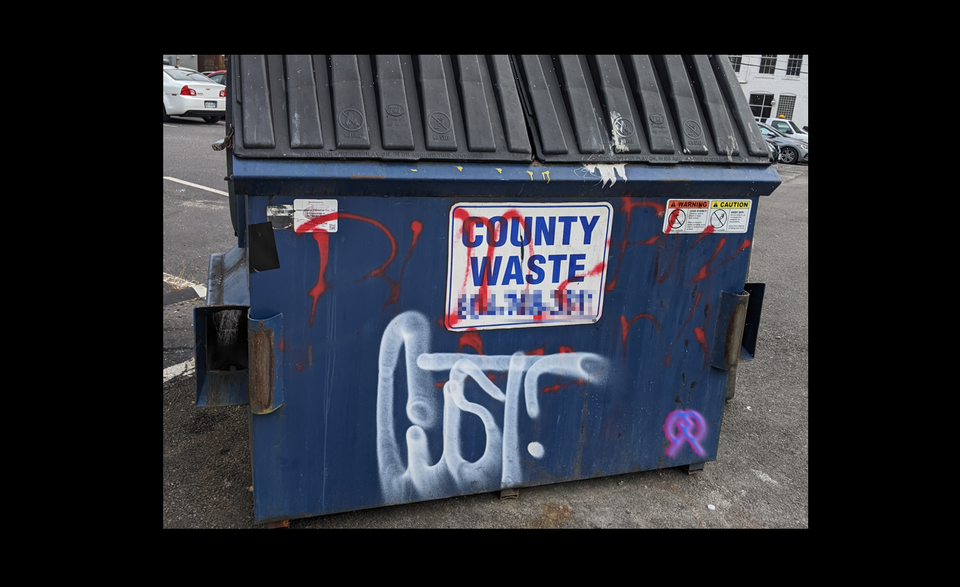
[[788, 155], [165, 117], [211, 119]]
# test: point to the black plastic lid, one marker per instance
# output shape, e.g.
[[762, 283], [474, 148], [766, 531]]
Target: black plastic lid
[[476, 108]]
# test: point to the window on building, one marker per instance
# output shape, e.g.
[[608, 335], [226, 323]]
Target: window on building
[[735, 62], [793, 65], [768, 63], [761, 105], [785, 106]]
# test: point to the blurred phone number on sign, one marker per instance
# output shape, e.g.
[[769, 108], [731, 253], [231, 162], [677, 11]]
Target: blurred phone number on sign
[[539, 304]]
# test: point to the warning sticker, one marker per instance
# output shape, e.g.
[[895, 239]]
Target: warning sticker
[[315, 215], [686, 216], [525, 265], [694, 216], [730, 215]]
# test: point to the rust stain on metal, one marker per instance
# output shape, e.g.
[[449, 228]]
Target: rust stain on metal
[[734, 336], [261, 369]]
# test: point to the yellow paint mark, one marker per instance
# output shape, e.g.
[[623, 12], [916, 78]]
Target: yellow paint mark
[[460, 168], [546, 174], [498, 170], [531, 175]]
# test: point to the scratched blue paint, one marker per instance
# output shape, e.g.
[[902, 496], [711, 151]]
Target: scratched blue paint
[[363, 420]]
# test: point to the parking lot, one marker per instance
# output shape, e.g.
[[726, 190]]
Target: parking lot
[[759, 479]]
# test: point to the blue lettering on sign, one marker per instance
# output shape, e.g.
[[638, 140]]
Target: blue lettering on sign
[[544, 232], [487, 272], [513, 272], [542, 229], [533, 264], [588, 228]]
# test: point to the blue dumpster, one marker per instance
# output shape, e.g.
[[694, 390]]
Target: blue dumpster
[[470, 273]]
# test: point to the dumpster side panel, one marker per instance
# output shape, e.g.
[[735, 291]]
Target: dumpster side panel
[[383, 404]]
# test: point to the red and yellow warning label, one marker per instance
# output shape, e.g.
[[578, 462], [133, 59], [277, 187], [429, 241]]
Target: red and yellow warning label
[[697, 216], [688, 204], [731, 204]]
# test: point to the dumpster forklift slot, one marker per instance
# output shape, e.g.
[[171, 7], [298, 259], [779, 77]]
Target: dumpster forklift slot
[[222, 355], [227, 340]]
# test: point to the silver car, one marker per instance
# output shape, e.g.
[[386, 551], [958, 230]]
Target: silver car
[[791, 151]]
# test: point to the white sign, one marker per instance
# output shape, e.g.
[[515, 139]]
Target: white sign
[[315, 215], [522, 265]]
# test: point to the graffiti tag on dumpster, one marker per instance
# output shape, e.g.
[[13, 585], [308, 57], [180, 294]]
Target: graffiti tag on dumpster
[[412, 474], [522, 265], [685, 427]]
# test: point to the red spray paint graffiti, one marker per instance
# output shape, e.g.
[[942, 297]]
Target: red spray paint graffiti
[[561, 291], [323, 246], [493, 235], [627, 208], [416, 227], [703, 273], [471, 338], [626, 324], [702, 339]]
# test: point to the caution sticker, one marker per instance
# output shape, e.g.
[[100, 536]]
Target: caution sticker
[[696, 216]]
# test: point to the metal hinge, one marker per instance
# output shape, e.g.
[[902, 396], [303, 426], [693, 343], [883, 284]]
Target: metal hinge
[[224, 143]]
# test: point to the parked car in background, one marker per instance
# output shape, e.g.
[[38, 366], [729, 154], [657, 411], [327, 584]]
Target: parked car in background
[[774, 151], [189, 93], [219, 77], [791, 151], [786, 127]]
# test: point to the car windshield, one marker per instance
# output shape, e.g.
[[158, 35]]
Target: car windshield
[[181, 75], [796, 128], [769, 132]]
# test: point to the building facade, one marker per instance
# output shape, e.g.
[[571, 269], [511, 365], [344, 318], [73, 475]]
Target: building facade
[[775, 85], [197, 62]]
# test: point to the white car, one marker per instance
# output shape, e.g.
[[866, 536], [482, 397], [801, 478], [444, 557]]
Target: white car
[[787, 128], [188, 93]]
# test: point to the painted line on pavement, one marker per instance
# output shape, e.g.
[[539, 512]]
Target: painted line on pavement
[[222, 193], [185, 290], [184, 368]]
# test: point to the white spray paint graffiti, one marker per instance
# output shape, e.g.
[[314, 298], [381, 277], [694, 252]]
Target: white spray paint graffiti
[[410, 332]]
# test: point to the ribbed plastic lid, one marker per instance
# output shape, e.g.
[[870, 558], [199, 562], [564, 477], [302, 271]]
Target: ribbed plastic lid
[[476, 108]]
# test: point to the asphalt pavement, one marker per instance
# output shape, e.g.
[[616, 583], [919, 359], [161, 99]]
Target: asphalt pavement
[[759, 479]]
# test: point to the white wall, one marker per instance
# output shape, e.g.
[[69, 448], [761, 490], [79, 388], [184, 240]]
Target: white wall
[[778, 83], [188, 61]]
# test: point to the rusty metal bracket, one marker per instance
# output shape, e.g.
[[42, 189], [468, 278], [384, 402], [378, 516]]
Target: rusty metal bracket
[[266, 368], [224, 143], [728, 336], [735, 337], [509, 494], [725, 352]]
